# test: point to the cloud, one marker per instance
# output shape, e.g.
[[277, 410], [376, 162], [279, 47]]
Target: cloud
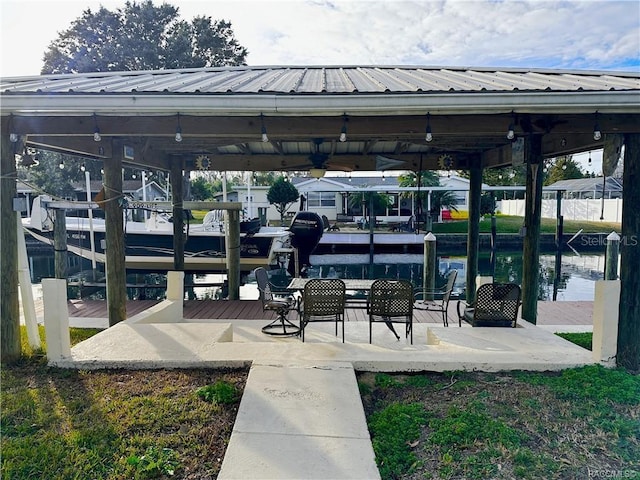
[[577, 34], [580, 34]]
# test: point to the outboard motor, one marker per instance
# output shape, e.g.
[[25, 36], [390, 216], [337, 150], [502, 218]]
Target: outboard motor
[[306, 230]]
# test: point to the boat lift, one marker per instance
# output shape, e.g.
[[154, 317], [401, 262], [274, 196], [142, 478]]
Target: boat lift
[[233, 232]]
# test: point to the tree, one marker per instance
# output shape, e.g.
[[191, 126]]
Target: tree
[[201, 189], [282, 195], [563, 168], [439, 199], [55, 181], [380, 202], [142, 36]]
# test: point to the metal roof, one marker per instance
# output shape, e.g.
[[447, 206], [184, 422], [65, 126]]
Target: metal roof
[[386, 111], [324, 80], [587, 185]]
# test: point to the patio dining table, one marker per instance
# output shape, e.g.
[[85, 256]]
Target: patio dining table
[[298, 283]]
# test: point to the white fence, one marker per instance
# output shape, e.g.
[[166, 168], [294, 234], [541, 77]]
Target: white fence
[[572, 209]]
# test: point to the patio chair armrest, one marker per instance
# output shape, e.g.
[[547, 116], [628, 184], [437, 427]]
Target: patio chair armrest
[[419, 294], [461, 307]]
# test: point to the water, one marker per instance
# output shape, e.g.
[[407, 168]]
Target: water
[[576, 281]]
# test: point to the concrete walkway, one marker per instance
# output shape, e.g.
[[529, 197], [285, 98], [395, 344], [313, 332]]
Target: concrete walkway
[[301, 415], [303, 421]]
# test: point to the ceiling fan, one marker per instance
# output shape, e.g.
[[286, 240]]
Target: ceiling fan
[[318, 159]]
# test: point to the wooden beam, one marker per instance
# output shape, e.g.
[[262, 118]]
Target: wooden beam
[[9, 307], [318, 127], [532, 215], [629, 307], [114, 235], [497, 157], [178, 218], [473, 231], [60, 244], [81, 146], [232, 241]]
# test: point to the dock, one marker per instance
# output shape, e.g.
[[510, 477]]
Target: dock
[[574, 314]]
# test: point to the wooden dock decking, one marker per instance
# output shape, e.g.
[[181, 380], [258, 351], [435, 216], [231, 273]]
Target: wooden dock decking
[[549, 313]]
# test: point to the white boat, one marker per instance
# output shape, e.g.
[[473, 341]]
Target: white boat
[[360, 242], [149, 244]]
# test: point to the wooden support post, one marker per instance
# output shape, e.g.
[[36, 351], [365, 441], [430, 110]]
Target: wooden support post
[[611, 256], [233, 254], [559, 219], [532, 215], [372, 225], [60, 243], [429, 266], [114, 235], [9, 306], [473, 234], [178, 216], [629, 310]]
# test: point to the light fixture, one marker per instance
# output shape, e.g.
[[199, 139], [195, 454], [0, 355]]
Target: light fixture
[[61, 165], [349, 176], [428, 135], [83, 168], [317, 173], [13, 136], [343, 131], [597, 134], [27, 159], [589, 157], [511, 134], [178, 136], [96, 130], [263, 129]]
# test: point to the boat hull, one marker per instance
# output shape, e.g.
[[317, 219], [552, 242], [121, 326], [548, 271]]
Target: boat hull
[[204, 251]]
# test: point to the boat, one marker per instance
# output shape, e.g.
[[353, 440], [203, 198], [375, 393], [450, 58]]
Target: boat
[[361, 242], [149, 243]]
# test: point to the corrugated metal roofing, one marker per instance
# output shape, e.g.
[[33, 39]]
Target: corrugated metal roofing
[[327, 80], [586, 185]]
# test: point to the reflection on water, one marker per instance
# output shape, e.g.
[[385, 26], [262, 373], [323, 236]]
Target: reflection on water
[[576, 281]]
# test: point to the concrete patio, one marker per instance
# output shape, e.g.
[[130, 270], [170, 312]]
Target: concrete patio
[[301, 400]]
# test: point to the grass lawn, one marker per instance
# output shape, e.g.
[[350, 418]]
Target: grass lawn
[[114, 424], [511, 224], [128, 424], [575, 424], [504, 224]]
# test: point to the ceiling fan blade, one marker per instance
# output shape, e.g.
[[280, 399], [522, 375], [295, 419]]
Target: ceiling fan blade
[[386, 163]]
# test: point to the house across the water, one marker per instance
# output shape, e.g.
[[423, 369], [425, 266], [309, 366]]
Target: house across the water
[[332, 196]]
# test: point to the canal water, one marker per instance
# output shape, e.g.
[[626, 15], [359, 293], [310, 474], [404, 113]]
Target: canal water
[[574, 280]]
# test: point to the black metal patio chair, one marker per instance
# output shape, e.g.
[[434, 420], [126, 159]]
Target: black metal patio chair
[[280, 304], [323, 300], [437, 300], [391, 301], [496, 305]]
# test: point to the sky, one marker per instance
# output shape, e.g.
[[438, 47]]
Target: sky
[[574, 34]]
